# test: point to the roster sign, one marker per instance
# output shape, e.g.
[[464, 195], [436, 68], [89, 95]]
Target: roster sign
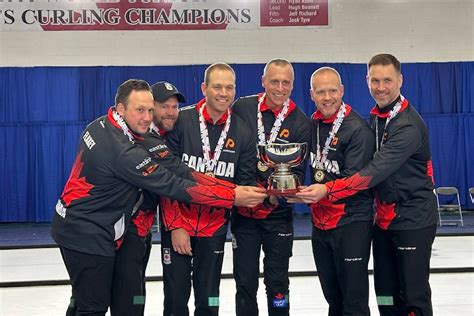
[[129, 15], [293, 12]]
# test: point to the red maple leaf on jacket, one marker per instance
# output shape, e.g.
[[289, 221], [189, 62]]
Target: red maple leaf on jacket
[[76, 187]]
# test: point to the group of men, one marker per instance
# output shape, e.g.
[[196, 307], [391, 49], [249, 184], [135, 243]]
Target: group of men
[[201, 168]]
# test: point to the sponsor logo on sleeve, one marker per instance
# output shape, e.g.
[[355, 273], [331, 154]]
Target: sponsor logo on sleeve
[[149, 170], [158, 147], [143, 163]]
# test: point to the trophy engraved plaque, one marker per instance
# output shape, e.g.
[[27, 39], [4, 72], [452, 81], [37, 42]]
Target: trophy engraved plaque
[[282, 157]]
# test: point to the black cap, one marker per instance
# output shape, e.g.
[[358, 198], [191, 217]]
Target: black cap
[[162, 90]]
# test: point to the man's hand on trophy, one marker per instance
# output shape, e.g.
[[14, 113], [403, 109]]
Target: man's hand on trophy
[[308, 194], [249, 196]]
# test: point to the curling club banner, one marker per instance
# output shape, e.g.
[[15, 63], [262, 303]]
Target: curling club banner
[[130, 15]]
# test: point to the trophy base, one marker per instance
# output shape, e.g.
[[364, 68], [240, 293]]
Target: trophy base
[[282, 192], [282, 184]]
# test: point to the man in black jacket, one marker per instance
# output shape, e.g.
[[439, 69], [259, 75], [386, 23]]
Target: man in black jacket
[[133, 249], [104, 189], [211, 140], [402, 177], [341, 144], [273, 118]]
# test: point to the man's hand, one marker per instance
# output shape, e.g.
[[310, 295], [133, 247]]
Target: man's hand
[[249, 196], [310, 194], [181, 241]]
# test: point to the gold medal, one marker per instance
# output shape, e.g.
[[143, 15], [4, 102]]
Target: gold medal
[[261, 166], [210, 174], [319, 175]]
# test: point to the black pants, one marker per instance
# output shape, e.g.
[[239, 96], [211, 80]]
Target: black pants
[[341, 256], [275, 237], [401, 271], [128, 287], [203, 269], [91, 279]]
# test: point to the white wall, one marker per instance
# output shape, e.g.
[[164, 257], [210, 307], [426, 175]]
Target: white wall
[[413, 30]]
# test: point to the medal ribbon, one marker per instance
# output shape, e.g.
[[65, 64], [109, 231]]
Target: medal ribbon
[[206, 147], [120, 121], [391, 115], [321, 156], [154, 128], [276, 125]]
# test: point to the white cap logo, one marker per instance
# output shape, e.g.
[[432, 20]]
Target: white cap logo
[[168, 86]]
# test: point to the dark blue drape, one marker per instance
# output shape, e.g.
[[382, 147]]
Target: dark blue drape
[[44, 109]]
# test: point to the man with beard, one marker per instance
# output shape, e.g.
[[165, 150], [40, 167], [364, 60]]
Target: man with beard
[[104, 190], [402, 177]]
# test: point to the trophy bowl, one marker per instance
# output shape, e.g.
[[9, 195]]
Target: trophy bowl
[[282, 157]]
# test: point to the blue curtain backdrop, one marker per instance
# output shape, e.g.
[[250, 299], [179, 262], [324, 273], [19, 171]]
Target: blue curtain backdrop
[[44, 109]]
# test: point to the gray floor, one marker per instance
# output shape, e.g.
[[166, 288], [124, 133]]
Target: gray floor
[[452, 295], [452, 292], [28, 257]]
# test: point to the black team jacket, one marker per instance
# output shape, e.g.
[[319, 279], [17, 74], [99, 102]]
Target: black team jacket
[[294, 129], [236, 164], [351, 149], [400, 172], [103, 188]]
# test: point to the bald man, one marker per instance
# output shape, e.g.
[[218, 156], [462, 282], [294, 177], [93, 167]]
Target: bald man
[[342, 143]]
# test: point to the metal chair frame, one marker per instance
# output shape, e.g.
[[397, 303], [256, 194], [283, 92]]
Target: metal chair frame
[[449, 191]]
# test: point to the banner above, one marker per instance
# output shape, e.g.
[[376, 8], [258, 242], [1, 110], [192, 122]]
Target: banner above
[[130, 15]]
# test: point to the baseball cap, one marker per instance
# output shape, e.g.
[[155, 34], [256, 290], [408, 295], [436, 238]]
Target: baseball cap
[[162, 90]]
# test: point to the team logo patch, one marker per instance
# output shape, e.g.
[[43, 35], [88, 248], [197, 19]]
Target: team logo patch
[[229, 143], [166, 256], [168, 86], [280, 301], [284, 133]]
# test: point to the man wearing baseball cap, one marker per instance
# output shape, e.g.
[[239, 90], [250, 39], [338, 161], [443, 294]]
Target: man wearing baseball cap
[[166, 98]]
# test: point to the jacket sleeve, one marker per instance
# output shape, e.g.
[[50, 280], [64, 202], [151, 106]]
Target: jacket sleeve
[[170, 213], [135, 166], [402, 142], [163, 155]]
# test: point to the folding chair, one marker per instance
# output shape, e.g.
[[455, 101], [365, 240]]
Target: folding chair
[[454, 204], [471, 194]]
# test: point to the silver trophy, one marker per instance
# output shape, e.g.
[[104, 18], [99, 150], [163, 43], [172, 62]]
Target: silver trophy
[[282, 157]]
